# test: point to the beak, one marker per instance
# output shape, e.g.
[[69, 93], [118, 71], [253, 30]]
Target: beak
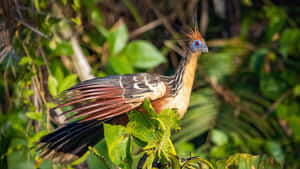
[[204, 49]]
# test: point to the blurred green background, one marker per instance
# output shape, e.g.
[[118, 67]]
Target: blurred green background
[[246, 96]]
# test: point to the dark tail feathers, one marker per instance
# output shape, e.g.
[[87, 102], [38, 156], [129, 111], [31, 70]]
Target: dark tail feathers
[[71, 141]]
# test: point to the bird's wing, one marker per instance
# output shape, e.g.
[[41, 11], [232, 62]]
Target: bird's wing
[[110, 96]]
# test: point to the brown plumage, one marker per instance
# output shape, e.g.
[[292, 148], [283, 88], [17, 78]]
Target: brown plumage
[[108, 99]]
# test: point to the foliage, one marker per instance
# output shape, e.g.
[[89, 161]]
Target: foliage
[[245, 97], [151, 133], [145, 143]]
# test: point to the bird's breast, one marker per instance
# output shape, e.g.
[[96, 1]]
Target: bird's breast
[[179, 102]]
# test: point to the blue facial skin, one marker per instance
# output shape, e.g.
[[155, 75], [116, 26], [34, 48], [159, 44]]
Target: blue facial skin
[[197, 45]]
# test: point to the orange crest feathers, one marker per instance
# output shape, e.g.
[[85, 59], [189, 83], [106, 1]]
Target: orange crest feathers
[[195, 35]]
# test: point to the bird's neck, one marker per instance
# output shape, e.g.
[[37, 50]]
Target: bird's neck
[[185, 73]]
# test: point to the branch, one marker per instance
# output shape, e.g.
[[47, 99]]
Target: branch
[[81, 65]]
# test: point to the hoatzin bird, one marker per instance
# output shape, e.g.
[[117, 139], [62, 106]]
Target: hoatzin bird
[[108, 99]]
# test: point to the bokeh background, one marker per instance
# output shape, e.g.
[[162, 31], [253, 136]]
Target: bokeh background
[[245, 97]]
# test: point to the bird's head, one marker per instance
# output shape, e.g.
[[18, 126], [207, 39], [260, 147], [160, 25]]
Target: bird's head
[[196, 42]]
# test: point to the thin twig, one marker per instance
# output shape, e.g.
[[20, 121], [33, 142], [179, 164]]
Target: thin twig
[[204, 17], [165, 21], [36, 79], [174, 47], [18, 9], [4, 52], [45, 59], [33, 29], [145, 28]]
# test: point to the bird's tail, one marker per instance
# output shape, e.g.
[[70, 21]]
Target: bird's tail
[[71, 141]]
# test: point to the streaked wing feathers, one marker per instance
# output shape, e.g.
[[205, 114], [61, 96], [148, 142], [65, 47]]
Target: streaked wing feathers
[[111, 96]]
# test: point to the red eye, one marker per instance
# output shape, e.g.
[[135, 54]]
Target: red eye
[[197, 43]]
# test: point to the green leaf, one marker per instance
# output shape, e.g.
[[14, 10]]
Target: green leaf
[[149, 161], [148, 107], [77, 20], [46, 164], [25, 60], [96, 163], [68, 82], [52, 85], [50, 105], [133, 11], [142, 126], [76, 5], [19, 159], [183, 148], [121, 65], [219, 137], [276, 151], [293, 122], [271, 86], [59, 74], [33, 140], [192, 161], [64, 2], [117, 140], [287, 109], [277, 19], [218, 151], [34, 115], [63, 49], [219, 64], [288, 41], [257, 59], [297, 90], [170, 118], [175, 162], [143, 54], [117, 39], [247, 161], [37, 5], [289, 76]]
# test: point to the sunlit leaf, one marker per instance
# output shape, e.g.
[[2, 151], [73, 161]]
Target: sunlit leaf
[[142, 127], [68, 82], [76, 5], [34, 115], [121, 65], [77, 20], [297, 90], [59, 74], [52, 85], [117, 39], [143, 54], [117, 141], [63, 49], [184, 149], [219, 137], [25, 60]]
